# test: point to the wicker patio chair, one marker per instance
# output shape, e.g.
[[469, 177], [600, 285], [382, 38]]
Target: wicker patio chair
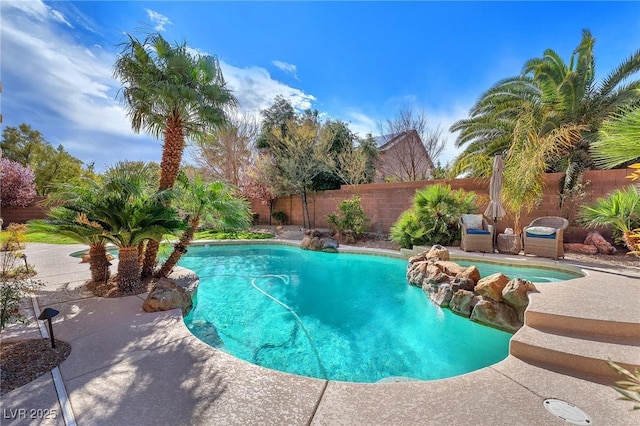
[[545, 242], [478, 239]]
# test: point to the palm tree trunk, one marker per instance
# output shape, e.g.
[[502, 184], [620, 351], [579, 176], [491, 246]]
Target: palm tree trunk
[[141, 251], [128, 270], [632, 240], [172, 150], [98, 263], [179, 248]]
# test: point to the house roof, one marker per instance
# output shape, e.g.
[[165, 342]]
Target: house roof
[[384, 141]]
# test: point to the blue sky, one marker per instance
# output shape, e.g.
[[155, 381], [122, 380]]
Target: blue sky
[[355, 61]]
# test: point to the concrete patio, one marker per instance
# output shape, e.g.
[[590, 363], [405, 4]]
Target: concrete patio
[[131, 367]]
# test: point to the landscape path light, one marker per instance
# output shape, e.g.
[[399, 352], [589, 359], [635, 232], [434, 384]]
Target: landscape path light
[[47, 314]]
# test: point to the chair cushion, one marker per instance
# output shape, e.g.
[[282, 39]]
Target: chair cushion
[[473, 221], [548, 237], [478, 231], [541, 230]]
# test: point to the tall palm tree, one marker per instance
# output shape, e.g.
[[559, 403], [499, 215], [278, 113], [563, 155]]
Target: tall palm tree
[[567, 95], [170, 91], [214, 203], [619, 141]]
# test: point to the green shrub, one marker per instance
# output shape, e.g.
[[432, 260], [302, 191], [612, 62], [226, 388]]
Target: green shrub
[[15, 284], [280, 216], [434, 217], [350, 217]]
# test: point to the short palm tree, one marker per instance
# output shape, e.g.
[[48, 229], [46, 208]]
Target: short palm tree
[[170, 91], [213, 203], [66, 221], [129, 223], [620, 209]]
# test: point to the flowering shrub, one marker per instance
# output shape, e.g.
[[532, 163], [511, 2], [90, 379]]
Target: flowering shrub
[[17, 184]]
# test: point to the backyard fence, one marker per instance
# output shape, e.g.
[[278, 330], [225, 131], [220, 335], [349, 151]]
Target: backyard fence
[[384, 202]]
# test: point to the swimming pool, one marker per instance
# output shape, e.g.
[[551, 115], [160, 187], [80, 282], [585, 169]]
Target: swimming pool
[[348, 317]]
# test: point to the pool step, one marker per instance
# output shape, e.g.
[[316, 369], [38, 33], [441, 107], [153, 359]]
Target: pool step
[[574, 355], [574, 328], [587, 328], [579, 308]]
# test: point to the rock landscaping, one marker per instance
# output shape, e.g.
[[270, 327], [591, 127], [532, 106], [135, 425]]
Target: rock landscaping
[[496, 300]]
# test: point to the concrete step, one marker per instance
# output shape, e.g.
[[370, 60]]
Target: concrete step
[[579, 308], [575, 356], [585, 328]]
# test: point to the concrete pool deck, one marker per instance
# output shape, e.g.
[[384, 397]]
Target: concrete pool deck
[[131, 367]]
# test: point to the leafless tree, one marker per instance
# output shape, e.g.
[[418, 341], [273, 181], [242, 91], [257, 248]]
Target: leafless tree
[[227, 152], [410, 147]]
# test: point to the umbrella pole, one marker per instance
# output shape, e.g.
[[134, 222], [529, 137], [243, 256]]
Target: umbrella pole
[[495, 233]]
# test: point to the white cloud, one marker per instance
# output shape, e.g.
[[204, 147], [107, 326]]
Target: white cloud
[[158, 19], [67, 90], [287, 67], [361, 123], [256, 90], [284, 66], [37, 10], [445, 118], [64, 89]]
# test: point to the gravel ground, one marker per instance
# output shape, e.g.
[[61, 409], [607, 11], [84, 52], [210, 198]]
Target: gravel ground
[[22, 361]]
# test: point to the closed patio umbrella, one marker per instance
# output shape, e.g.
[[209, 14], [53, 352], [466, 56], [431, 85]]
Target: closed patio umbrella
[[495, 210]]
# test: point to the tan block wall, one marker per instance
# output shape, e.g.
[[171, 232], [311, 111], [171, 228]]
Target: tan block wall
[[384, 202], [23, 214]]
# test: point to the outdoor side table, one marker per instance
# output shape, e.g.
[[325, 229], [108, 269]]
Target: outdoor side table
[[509, 244]]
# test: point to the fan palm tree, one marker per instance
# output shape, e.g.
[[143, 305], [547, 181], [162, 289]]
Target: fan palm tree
[[170, 91], [213, 203], [566, 94]]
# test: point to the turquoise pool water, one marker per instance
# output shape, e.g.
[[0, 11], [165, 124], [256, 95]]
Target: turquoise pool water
[[537, 275], [341, 317]]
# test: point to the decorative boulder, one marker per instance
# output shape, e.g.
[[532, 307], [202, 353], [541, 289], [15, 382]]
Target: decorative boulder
[[460, 283], [491, 287], [319, 241], [443, 295], [166, 295], [463, 301], [603, 246], [449, 268], [306, 241], [470, 273], [515, 295], [580, 248], [329, 245], [416, 273], [499, 315], [418, 258], [438, 252]]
